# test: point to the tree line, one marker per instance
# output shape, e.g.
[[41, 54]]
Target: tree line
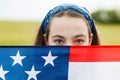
[[107, 16]]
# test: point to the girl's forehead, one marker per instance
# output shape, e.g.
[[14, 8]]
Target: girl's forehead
[[68, 22], [68, 25]]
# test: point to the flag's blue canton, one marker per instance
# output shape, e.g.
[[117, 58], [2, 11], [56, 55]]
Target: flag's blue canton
[[31, 63]]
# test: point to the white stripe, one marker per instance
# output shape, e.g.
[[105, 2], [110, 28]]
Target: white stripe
[[94, 71]]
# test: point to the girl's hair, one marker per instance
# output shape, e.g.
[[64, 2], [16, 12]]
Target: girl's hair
[[40, 39]]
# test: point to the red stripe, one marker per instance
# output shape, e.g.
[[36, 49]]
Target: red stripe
[[94, 54]]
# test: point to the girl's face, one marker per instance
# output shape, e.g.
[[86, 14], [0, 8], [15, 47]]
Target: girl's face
[[68, 31]]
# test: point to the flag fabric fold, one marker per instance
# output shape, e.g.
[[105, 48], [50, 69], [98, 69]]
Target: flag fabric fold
[[60, 62]]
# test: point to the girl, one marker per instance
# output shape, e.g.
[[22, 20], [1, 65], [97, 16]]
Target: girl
[[67, 24]]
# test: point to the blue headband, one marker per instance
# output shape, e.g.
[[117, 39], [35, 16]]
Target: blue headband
[[83, 11]]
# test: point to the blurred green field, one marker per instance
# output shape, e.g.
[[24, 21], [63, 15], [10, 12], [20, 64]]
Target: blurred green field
[[24, 33], [109, 34], [18, 33]]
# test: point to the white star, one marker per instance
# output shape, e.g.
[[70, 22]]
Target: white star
[[18, 59], [2, 73], [32, 73], [49, 59]]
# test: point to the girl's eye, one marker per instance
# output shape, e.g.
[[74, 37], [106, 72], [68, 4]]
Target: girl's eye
[[59, 42], [79, 41]]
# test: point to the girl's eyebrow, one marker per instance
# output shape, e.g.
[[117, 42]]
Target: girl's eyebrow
[[80, 35], [58, 36]]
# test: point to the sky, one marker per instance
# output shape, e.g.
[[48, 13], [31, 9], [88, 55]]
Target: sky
[[35, 10]]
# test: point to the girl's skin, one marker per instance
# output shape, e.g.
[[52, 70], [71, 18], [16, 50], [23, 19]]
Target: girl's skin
[[68, 31]]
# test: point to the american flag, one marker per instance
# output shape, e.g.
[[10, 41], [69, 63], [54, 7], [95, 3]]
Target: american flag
[[60, 63]]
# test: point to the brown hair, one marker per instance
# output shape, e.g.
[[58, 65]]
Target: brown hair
[[40, 40]]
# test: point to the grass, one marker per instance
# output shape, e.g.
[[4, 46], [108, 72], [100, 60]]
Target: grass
[[109, 34], [18, 33], [24, 33]]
